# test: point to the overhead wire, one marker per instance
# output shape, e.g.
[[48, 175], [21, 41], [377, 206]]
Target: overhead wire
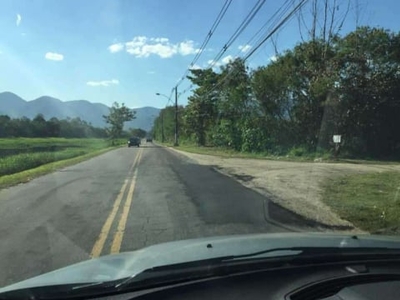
[[250, 16], [282, 9], [286, 19], [214, 26], [243, 25], [261, 41]]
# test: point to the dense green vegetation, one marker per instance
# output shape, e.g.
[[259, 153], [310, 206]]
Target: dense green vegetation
[[21, 154], [347, 85], [40, 127], [28, 144], [369, 201]]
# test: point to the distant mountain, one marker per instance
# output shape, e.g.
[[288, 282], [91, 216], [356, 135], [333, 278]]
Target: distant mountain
[[16, 107]]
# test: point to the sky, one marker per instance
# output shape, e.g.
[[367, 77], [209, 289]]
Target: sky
[[129, 50]]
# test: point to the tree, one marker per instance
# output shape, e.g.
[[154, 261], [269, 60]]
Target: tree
[[272, 89], [138, 132], [235, 105], [119, 114], [201, 109], [39, 126], [330, 84], [4, 125], [369, 60]]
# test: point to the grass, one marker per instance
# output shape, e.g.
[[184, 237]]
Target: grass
[[370, 201], [28, 143], [37, 156], [298, 154], [25, 161], [293, 155], [27, 175]]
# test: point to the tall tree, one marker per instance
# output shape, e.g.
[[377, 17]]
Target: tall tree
[[201, 109], [235, 103], [138, 132], [119, 114], [369, 60]]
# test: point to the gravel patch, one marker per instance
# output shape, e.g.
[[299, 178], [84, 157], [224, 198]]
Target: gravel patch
[[296, 186]]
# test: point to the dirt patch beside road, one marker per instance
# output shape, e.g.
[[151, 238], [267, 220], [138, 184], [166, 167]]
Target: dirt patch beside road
[[293, 185]]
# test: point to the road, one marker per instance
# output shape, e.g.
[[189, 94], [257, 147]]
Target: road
[[123, 200]]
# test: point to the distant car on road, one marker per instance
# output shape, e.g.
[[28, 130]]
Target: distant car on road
[[149, 140], [134, 141]]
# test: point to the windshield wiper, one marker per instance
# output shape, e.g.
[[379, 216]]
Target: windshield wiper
[[217, 266], [200, 269], [320, 251], [61, 291]]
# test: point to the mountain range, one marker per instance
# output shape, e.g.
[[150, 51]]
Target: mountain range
[[16, 107]]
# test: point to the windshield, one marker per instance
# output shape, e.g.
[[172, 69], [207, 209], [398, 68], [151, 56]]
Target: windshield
[[127, 124]]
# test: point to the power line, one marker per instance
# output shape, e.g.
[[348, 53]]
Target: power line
[[243, 25], [297, 7], [282, 10], [250, 16], [214, 26], [261, 42]]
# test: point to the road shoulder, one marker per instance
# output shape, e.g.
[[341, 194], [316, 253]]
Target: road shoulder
[[296, 186]]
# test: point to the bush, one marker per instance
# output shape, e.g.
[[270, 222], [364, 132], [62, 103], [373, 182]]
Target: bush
[[298, 151]]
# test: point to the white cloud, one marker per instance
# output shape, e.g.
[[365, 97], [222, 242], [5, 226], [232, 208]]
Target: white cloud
[[103, 82], [54, 56], [222, 62], [19, 19], [214, 63], [187, 47], [227, 59], [151, 72], [244, 48], [273, 58], [114, 48], [142, 46], [195, 67], [159, 40]]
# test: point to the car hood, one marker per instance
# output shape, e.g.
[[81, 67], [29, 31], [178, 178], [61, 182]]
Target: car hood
[[126, 264]]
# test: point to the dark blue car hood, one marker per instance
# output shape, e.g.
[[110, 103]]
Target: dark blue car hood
[[128, 264]]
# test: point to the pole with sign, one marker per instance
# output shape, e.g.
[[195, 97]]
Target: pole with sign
[[337, 140]]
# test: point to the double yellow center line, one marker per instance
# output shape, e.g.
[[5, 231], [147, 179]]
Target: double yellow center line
[[119, 234]]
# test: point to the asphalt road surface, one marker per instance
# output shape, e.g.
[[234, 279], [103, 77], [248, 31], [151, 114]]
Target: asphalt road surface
[[123, 200]]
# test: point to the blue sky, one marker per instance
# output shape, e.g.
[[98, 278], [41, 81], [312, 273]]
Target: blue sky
[[127, 50]]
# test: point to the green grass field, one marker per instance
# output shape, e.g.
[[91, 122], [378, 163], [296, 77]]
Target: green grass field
[[37, 156], [370, 201]]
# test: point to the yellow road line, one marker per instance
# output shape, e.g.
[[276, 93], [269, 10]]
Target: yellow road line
[[119, 234], [98, 246]]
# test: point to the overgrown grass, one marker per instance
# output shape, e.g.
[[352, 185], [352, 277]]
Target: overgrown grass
[[19, 155], [370, 201], [299, 154], [20, 162], [28, 143], [295, 154], [27, 175]]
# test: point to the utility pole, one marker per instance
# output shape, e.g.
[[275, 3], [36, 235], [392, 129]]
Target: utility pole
[[162, 126], [176, 116], [162, 117]]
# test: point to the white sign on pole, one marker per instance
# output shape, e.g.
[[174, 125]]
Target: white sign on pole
[[337, 139]]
